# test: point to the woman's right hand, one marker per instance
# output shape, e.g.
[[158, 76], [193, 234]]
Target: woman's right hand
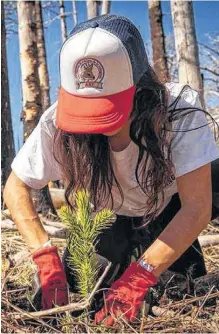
[[52, 277]]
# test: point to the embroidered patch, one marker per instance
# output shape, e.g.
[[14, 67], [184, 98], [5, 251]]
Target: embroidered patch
[[89, 73]]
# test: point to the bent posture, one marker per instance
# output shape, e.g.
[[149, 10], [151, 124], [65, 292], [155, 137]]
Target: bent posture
[[140, 147]]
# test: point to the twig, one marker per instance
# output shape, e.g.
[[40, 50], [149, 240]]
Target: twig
[[15, 329], [70, 307], [99, 281], [26, 315], [195, 299], [142, 318], [202, 304]]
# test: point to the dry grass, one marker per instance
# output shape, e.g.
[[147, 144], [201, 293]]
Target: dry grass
[[186, 315]]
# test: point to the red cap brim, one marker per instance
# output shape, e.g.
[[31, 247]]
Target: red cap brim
[[78, 114]]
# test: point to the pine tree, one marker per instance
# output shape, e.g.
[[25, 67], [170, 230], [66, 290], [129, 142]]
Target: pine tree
[[84, 228]]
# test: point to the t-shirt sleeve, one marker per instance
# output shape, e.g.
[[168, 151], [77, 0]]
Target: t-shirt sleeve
[[34, 164], [193, 143]]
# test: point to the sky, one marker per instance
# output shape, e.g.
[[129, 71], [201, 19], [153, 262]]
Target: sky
[[206, 19]]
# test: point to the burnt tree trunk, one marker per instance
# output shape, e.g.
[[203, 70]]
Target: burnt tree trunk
[[62, 20], [42, 64], [158, 40], [42, 61], [92, 9], [32, 107], [106, 4], [186, 45], [7, 146]]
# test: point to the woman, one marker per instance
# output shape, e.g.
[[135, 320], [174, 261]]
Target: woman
[[140, 147]]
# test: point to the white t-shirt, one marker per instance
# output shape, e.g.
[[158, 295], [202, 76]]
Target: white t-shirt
[[36, 166]]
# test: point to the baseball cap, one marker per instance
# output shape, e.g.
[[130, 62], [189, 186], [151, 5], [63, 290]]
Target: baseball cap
[[101, 62]]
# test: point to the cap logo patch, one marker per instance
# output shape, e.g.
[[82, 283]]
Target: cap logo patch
[[89, 73]]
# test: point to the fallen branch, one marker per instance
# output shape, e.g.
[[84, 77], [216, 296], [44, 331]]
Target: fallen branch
[[207, 240], [52, 231], [160, 311], [70, 307], [58, 197], [194, 299], [58, 230]]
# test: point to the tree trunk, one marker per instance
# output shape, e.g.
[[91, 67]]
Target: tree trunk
[[158, 40], [106, 4], [32, 108], [42, 62], [62, 20], [7, 146], [186, 45], [74, 11], [92, 9]]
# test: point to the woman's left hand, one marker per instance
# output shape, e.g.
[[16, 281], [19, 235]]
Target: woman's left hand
[[126, 295]]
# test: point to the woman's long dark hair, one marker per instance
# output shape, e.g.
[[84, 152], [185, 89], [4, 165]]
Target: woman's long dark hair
[[85, 158]]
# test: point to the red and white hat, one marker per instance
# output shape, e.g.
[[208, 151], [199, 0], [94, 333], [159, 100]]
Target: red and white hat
[[100, 64]]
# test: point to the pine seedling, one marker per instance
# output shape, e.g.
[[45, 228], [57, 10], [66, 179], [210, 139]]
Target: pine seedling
[[84, 228]]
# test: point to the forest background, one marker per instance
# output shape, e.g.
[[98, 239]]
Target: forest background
[[206, 14]]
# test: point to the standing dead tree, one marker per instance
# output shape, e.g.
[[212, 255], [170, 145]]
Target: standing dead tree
[[62, 20], [209, 56], [92, 9], [106, 4], [32, 107], [158, 40], [7, 145], [186, 45], [42, 61], [74, 12]]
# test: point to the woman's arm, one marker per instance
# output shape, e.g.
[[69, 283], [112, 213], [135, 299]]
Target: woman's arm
[[195, 213], [18, 199]]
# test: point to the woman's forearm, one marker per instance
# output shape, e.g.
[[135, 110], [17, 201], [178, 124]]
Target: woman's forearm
[[176, 238], [18, 199]]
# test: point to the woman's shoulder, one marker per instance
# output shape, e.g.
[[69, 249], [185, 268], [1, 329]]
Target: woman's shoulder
[[181, 95], [48, 119]]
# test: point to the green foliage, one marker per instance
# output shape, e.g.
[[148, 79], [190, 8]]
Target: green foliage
[[83, 232]]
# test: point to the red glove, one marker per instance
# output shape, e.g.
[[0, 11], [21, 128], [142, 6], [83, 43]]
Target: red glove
[[52, 277], [126, 295]]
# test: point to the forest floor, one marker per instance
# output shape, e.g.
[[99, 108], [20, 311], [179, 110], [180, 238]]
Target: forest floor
[[190, 314]]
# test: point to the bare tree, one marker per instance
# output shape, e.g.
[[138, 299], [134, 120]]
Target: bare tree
[[7, 145], [62, 20], [92, 9], [209, 59], [158, 40], [186, 45], [42, 62], [74, 11], [106, 4], [32, 108], [10, 17]]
